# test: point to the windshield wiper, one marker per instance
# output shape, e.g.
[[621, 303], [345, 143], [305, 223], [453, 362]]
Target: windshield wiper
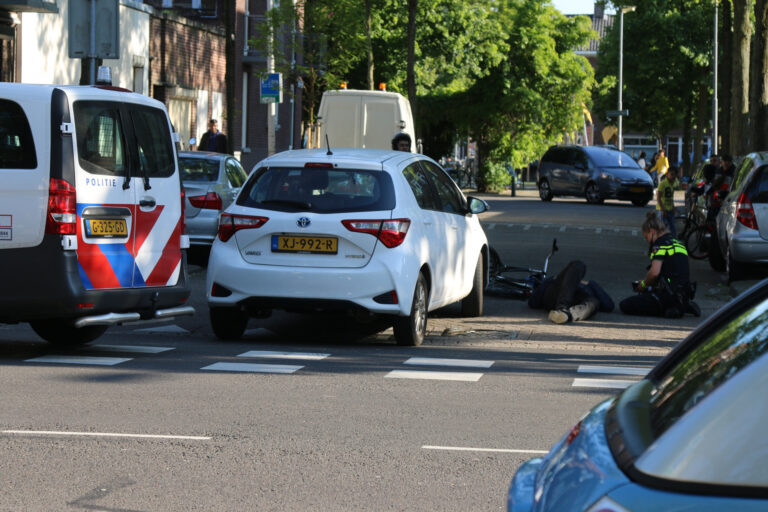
[[287, 202]]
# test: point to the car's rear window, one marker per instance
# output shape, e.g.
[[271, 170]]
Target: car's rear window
[[198, 169], [603, 157], [758, 189], [17, 149], [324, 190]]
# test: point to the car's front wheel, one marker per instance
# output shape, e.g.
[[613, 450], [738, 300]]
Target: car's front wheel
[[640, 202], [228, 323], [64, 333], [545, 192], [592, 193], [410, 330], [472, 304]]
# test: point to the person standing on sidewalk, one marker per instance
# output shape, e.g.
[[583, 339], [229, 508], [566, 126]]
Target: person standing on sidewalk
[[660, 167], [665, 200]]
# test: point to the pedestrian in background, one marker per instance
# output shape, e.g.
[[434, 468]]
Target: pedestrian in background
[[660, 167], [666, 289], [641, 161], [213, 139], [665, 200]]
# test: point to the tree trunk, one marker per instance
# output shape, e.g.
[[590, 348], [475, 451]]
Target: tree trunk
[[740, 80], [369, 44], [760, 131], [725, 74], [411, 62]]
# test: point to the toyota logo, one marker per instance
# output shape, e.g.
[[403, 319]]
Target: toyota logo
[[303, 222]]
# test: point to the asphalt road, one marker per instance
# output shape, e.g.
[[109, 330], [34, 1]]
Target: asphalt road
[[301, 415]]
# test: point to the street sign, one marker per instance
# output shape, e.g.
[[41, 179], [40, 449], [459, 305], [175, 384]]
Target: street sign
[[272, 88], [617, 113], [106, 28]]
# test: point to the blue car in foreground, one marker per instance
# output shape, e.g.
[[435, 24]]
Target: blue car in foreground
[[691, 436]]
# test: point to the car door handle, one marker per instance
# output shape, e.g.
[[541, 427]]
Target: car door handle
[[147, 203]]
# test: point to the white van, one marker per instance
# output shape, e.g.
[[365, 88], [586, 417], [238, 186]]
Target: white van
[[362, 119], [91, 220]]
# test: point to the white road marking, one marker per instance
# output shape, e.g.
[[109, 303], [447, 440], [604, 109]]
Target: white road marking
[[614, 370], [165, 328], [130, 348], [468, 449], [433, 361], [602, 383], [284, 355], [259, 331], [252, 368], [101, 434], [562, 229], [101, 361], [413, 374], [526, 227], [598, 231], [490, 226]]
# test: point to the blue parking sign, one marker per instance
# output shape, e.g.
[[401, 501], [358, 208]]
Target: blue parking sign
[[272, 88]]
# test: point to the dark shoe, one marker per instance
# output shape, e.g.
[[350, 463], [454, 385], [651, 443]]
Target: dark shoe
[[693, 308], [558, 316], [673, 313]]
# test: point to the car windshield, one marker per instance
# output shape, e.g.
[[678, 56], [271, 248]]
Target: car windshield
[[198, 169], [326, 190], [611, 158]]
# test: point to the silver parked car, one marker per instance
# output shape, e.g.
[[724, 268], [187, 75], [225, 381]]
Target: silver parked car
[[742, 222], [211, 182]]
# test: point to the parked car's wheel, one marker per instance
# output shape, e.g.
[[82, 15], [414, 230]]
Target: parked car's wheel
[[545, 193], [472, 304], [64, 333], [733, 268], [228, 323], [640, 202], [715, 255], [592, 194], [410, 330]]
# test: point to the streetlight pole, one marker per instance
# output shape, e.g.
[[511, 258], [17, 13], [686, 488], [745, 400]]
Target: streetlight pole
[[714, 87], [621, 71]]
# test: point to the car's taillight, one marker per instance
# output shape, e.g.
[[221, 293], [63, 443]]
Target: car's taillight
[[210, 201], [183, 212], [574, 433], [391, 232], [62, 208], [745, 213], [229, 223]]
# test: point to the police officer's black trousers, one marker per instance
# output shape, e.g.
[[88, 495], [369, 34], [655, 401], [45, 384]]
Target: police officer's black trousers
[[646, 304]]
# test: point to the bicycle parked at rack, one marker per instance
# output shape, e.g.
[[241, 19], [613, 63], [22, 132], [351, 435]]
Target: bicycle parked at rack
[[515, 282]]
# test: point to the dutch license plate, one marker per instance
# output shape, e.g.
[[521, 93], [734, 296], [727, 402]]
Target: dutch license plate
[[106, 228], [637, 189], [314, 244]]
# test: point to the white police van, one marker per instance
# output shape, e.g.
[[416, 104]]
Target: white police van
[[91, 220]]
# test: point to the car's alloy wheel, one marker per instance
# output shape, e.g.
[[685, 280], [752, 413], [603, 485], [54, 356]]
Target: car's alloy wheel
[[64, 333], [592, 193], [410, 330], [472, 304], [228, 323], [545, 193]]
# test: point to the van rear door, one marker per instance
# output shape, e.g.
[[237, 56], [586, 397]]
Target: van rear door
[[24, 167], [128, 196]]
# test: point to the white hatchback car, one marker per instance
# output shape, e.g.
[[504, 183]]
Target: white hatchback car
[[383, 232]]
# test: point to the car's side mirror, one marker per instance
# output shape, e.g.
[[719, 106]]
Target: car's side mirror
[[477, 205]]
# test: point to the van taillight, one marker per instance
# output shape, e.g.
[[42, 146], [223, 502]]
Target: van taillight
[[62, 208], [210, 201], [229, 223], [745, 213], [391, 232]]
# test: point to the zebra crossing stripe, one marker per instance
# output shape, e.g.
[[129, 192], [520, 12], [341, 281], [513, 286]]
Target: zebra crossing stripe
[[433, 361], [253, 368], [431, 375], [283, 355], [602, 383], [138, 349], [614, 370], [86, 360]]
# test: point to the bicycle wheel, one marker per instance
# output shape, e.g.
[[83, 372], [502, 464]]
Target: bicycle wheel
[[682, 225], [697, 243]]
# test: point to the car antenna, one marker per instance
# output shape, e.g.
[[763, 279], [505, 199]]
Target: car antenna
[[328, 145]]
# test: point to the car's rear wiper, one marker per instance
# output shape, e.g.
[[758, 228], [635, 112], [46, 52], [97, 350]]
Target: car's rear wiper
[[287, 202]]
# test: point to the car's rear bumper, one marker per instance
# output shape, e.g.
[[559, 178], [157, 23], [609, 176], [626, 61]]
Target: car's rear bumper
[[747, 246], [312, 288]]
